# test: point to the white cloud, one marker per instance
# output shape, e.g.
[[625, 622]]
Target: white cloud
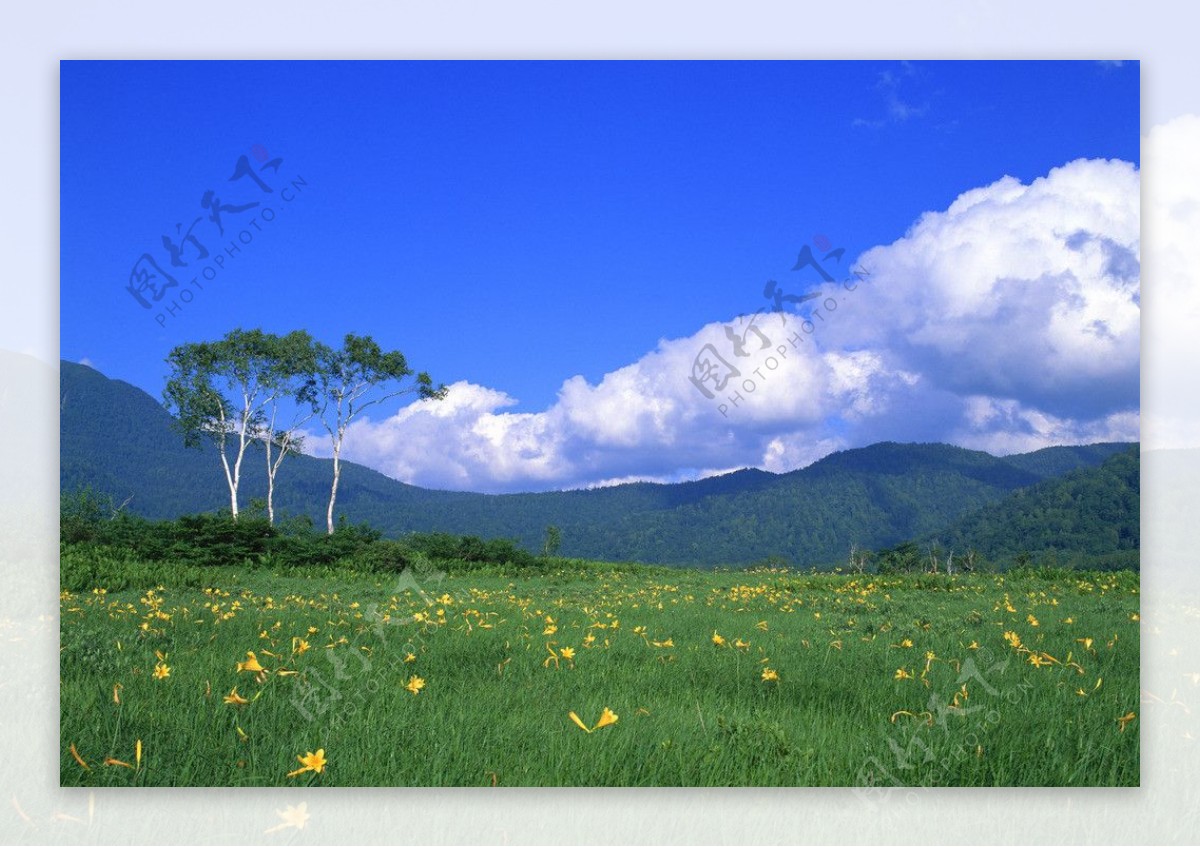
[[1007, 322], [1018, 291]]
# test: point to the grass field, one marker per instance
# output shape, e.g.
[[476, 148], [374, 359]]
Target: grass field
[[714, 679]]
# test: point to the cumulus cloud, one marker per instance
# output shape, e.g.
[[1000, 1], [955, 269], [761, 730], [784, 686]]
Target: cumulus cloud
[[1007, 322]]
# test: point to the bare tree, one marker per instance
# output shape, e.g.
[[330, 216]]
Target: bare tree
[[859, 558], [934, 550]]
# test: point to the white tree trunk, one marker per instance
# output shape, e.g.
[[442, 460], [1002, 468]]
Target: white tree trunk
[[337, 474], [270, 482]]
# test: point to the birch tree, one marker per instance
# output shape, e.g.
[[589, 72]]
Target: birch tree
[[290, 378], [353, 379], [217, 391]]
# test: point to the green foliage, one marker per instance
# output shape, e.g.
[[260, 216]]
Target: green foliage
[[81, 513], [1090, 517], [552, 541], [904, 558]]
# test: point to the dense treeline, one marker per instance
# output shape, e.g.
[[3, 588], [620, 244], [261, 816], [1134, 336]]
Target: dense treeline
[[103, 546]]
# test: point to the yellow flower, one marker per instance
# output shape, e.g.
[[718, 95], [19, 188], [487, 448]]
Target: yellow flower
[[740, 644], [718, 639], [300, 646], [770, 675], [567, 653], [311, 762], [235, 699], [550, 629], [901, 673], [1032, 620], [410, 658], [251, 664], [415, 684], [607, 718], [161, 671], [1012, 638], [1086, 642]]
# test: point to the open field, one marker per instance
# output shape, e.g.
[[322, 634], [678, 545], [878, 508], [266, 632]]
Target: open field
[[763, 677]]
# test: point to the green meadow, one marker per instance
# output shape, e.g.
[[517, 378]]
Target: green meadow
[[591, 674]]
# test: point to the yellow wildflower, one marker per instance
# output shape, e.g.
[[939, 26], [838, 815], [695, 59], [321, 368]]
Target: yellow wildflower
[[311, 762], [607, 718], [251, 664], [415, 684]]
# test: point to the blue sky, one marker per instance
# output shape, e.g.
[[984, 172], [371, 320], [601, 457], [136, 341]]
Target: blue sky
[[534, 232]]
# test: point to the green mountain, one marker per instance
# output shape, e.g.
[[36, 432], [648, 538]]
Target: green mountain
[[1092, 511], [119, 440]]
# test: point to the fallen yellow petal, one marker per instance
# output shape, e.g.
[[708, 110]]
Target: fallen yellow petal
[[78, 758], [571, 715]]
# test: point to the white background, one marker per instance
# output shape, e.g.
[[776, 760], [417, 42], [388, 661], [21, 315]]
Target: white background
[[35, 36]]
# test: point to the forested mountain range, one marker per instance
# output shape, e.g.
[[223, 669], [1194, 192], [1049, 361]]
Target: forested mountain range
[[119, 440]]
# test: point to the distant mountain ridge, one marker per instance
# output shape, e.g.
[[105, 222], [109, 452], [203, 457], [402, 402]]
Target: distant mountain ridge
[[119, 440]]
